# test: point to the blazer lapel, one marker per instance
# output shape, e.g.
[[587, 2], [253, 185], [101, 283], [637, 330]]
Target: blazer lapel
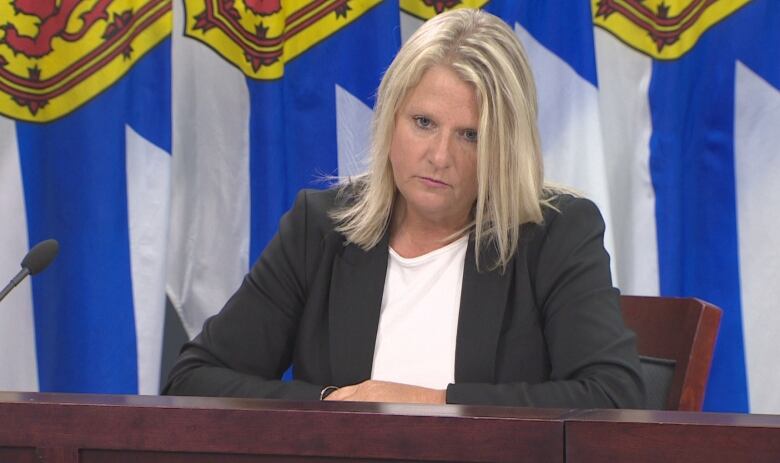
[[356, 288], [482, 305]]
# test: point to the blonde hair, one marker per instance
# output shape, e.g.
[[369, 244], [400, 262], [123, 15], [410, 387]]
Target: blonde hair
[[485, 52]]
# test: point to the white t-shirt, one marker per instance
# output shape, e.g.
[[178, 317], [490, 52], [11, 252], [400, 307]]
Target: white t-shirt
[[418, 324]]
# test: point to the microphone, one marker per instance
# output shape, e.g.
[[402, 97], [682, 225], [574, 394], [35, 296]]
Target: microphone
[[39, 257]]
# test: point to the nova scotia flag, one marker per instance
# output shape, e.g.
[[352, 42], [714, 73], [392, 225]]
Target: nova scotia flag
[[251, 128], [84, 158], [687, 120]]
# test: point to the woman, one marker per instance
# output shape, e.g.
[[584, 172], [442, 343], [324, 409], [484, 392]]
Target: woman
[[448, 273]]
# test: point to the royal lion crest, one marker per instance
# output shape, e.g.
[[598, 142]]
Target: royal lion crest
[[666, 29], [55, 55], [259, 36]]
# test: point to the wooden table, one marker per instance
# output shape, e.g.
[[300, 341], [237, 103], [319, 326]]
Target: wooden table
[[70, 428], [640, 436]]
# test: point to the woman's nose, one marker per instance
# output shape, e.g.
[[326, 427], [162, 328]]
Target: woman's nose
[[439, 154]]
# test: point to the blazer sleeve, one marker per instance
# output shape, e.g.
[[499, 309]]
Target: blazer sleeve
[[244, 349], [593, 358]]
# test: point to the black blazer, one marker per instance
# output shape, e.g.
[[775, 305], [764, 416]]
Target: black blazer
[[546, 333]]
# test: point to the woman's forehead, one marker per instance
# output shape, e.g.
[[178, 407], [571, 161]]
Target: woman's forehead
[[442, 88]]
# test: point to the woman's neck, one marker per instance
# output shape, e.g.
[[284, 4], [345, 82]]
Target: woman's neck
[[412, 235]]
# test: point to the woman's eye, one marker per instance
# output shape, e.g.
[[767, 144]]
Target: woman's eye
[[470, 135], [423, 122]]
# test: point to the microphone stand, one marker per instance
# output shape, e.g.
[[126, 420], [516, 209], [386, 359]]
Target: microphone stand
[[14, 281]]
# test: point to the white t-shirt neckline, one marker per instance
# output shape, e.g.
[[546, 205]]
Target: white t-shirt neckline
[[420, 260]]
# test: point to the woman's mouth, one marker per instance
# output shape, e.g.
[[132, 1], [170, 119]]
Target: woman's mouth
[[432, 182]]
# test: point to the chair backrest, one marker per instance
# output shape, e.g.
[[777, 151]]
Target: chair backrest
[[676, 335]]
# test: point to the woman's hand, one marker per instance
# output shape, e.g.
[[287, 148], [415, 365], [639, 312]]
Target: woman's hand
[[384, 391]]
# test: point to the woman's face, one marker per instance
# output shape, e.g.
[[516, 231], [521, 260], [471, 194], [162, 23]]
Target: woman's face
[[434, 148]]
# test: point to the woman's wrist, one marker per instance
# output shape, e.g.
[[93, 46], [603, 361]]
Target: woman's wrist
[[327, 390]]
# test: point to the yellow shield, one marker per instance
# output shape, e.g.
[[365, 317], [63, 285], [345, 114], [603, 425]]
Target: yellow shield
[[665, 29], [259, 36], [426, 9], [55, 55]]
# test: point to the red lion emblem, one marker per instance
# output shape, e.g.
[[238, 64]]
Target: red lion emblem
[[70, 41], [53, 21]]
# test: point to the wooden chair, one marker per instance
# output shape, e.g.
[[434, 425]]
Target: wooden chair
[[676, 339]]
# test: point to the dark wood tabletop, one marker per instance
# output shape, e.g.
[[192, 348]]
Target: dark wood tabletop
[[79, 428], [95, 428], [666, 436]]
